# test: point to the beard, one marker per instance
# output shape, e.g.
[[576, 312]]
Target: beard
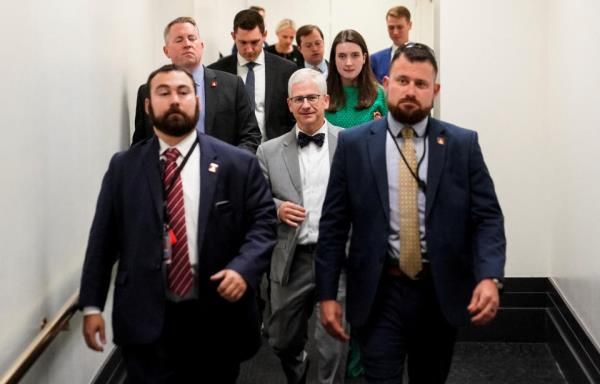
[[409, 116], [174, 122]]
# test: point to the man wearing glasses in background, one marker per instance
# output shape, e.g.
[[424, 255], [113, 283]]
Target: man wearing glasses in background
[[297, 168]]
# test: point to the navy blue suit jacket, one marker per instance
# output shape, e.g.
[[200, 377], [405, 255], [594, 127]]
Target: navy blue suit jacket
[[236, 230], [380, 63], [463, 220], [278, 118]]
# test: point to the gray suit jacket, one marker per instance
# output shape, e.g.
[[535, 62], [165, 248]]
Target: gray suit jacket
[[278, 159]]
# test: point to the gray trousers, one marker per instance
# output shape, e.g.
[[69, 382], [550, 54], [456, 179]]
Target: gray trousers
[[292, 305]]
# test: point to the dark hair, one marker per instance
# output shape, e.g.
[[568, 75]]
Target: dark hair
[[248, 20], [416, 52], [399, 12], [165, 69], [307, 30], [365, 81]]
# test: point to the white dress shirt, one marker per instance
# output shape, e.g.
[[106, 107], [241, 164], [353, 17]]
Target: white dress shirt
[[314, 175], [393, 161], [190, 179], [259, 86]]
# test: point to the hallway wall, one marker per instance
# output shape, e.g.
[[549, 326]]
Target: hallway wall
[[524, 75], [70, 72]]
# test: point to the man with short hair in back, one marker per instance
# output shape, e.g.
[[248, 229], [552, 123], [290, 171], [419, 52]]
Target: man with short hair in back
[[398, 27], [226, 113], [311, 42], [265, 75]]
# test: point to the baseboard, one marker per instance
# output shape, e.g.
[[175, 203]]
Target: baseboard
[[533, 311]]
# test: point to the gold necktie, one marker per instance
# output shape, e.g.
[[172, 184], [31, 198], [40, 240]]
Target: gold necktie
[[410, 244]]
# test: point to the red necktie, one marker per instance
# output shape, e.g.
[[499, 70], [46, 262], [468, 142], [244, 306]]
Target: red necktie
[[179, 271]]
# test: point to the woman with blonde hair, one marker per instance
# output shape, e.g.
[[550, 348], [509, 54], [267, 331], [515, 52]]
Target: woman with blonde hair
[[286, 33]]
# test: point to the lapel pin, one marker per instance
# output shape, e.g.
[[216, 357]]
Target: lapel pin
[[440, 140], [213, 84], [212, 167]]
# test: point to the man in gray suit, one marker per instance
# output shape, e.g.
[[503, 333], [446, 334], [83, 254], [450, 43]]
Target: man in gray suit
[[297, 168]]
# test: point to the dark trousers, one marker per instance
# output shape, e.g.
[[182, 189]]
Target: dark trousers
[[186, 352], [406, 324]]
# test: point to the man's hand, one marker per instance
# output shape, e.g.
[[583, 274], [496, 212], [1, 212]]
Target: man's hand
[[232, 286], [331, 318], [291, 214], [484, 303], [93, 332]]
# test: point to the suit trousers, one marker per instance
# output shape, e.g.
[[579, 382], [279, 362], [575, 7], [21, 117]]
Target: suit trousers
[[175, 356], [406, 325], [292, 306]]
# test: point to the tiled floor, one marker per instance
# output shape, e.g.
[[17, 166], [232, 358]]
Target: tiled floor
[[474, 363]]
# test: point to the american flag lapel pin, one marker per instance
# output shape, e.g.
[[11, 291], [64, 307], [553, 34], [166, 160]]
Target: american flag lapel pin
[[440, 140], [212, 167], [213, 84]]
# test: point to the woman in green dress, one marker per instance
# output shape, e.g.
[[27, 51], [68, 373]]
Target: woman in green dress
[[355, 95]]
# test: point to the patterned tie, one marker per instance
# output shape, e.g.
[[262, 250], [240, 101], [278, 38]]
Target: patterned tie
[[250, 83], [410, 246], [179, 271]]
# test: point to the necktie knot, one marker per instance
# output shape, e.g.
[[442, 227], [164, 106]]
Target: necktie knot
[[250, 65], [172, 154], [407, 132], [304, 139]]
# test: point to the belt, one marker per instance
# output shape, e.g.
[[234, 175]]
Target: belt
[[395, 271], [306, 248]]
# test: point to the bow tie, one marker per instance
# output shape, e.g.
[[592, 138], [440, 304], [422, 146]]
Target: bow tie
[[304, 139]]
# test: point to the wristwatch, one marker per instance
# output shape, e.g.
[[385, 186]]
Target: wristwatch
[[499, 284]]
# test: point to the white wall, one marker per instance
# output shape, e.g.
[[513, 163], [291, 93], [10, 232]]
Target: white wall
[[574, 123], [70, 72], [524, 75], [331, 16]]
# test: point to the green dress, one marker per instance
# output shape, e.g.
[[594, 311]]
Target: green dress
[[348, 116]]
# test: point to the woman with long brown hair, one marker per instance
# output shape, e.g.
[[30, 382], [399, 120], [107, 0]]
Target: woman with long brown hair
[[355, 95]]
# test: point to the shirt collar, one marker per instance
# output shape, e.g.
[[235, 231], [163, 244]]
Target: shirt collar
[[198, 75], [183, 146], [396, 126], [260, 60]]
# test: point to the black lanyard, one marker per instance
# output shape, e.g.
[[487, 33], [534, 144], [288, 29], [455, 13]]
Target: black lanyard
[[422, 185], [167, 189]]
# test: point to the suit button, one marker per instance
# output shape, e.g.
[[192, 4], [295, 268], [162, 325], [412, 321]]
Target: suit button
[[157, 266]]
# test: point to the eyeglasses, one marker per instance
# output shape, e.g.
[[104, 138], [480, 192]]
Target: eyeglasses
[[299, 100]]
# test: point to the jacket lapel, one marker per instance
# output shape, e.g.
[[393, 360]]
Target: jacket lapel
[[290, 158], [209, 173], [153, 176], [376, 153], [210, 94], [437, 158], [332, 137], [269, 80]]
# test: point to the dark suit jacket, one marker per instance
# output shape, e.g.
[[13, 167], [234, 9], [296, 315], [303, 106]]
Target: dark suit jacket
[[229, 115], [236, 230], [463, 220], [380, 63], [278, 119]]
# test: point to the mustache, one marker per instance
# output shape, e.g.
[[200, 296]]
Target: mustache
[[411, 99]]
